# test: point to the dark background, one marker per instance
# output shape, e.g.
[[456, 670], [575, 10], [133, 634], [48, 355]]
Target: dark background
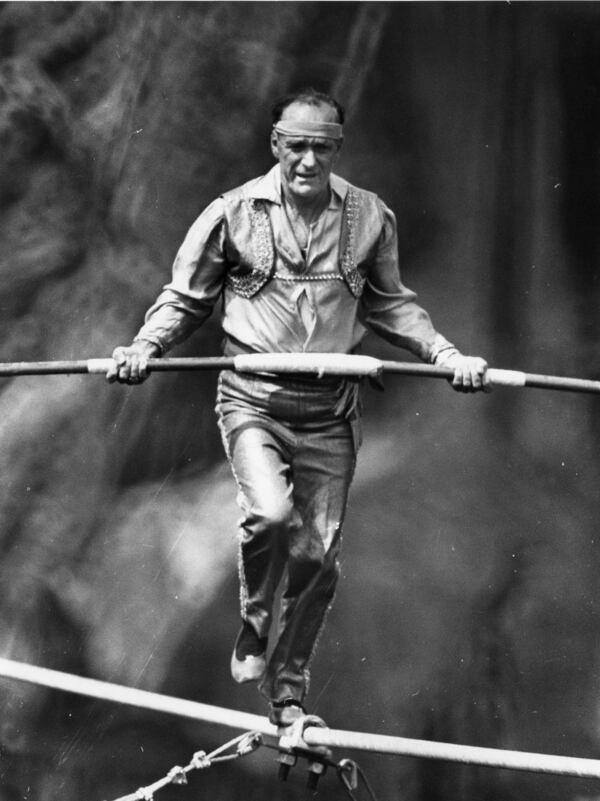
[[467, 611]]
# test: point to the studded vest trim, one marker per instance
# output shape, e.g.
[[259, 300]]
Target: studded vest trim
[[250, 281], [348, 268], [263, 253]]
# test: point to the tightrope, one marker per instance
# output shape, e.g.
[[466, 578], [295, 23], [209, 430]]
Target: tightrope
[[313, 735], [316, 364], [132, 696]]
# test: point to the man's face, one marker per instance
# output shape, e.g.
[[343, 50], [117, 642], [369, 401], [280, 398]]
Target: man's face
[[306, 162]]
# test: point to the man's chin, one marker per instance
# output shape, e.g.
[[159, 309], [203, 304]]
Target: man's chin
[[305, 190]]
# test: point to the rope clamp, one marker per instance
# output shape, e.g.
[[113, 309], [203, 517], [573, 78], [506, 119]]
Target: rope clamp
[[292, 745], [286, 763]]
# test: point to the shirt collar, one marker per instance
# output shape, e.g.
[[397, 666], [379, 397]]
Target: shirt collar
[[268, 187]]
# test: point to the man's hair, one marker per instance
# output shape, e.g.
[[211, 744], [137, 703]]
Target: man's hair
[[309, 96]]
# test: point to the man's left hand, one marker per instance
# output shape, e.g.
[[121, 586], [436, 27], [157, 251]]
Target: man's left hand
[[470, 373]]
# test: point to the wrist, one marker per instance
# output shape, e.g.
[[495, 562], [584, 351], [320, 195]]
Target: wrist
[[446, 356], [147, 348]]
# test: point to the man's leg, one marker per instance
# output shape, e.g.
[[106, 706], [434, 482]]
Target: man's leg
[[260, 463], [323, 467]]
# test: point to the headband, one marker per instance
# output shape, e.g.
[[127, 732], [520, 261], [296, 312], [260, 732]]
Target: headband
[[322, 130]]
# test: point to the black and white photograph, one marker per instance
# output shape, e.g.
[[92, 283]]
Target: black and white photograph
[[299, 415]]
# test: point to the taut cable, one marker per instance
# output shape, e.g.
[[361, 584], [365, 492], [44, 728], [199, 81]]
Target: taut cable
[[314, 736]]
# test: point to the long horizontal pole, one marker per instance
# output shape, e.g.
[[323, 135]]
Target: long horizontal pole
[[313, 735], [319, 364], [101, 366]]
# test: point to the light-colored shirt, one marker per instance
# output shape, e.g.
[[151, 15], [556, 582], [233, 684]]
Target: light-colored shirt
[[306, 305]]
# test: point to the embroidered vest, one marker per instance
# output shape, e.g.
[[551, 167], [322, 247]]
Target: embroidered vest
[[252, 247]]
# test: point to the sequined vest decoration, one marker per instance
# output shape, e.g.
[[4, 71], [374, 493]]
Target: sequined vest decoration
[[263, 254], [248, 283], [348, 267]]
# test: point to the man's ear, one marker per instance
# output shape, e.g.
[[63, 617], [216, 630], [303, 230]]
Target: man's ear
[[274, 146]]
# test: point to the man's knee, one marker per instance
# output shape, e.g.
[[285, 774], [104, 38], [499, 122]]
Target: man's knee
[[272, 514]]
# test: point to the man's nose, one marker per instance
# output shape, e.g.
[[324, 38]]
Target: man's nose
[[308, 157]]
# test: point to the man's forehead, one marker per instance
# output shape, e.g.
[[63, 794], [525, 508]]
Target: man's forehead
[[298, 111]]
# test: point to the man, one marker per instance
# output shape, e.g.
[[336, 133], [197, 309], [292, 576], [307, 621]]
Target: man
[[302, 260]]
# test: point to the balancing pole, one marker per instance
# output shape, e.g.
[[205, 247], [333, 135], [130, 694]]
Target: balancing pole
[[316, 364]]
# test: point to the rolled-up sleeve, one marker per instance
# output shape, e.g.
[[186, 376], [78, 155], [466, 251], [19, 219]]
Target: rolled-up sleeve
[[389, 308], [197, 281]]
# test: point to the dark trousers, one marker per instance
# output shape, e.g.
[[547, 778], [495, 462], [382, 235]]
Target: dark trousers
[[292, 445]]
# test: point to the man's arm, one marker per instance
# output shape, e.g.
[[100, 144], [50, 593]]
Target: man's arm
[[184, 304], [389, 308]]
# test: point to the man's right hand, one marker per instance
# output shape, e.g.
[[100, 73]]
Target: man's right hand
[[131, 363]]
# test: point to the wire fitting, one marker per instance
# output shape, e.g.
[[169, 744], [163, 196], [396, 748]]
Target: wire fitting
[[249, 743], [293, 738], [292, 745], [177, 775], [200, 761], [348, 773], [244, 744]]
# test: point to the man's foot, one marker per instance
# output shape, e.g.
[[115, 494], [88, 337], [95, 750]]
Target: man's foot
[[248, 662], [284, 713]]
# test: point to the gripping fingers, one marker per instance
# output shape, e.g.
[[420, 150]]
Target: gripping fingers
[[134, 370], [470, 375], [119, 359], [129, 367], [462, 381], [111, 373]]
